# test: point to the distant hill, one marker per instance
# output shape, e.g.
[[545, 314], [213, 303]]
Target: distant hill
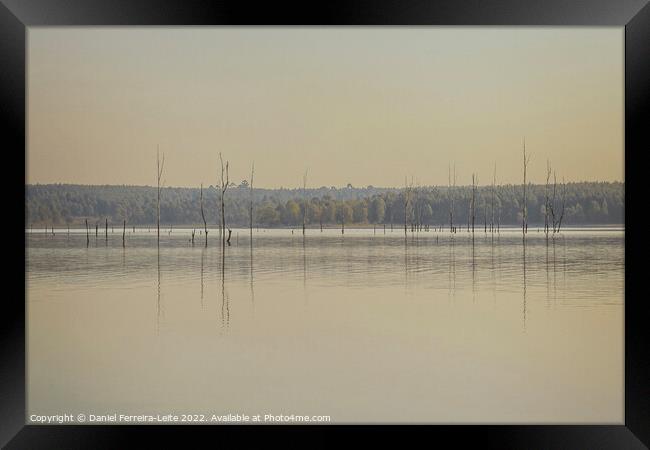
[[592, 203]]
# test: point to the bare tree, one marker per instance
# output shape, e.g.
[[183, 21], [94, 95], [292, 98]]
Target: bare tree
[[474, 183], [552, 203], [304, 200], [450, 193], [524, 223], [484, 215], [415, 212], [547, 205], [205, 223], [224, 186], [469, 207], [161, 166], [494, 183], [559, 223], [497, 201], [407, 201], [250, 211]]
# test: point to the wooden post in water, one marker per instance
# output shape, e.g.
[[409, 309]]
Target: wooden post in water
[[106, 230], [87, 234], [96, 230], [124, 233]]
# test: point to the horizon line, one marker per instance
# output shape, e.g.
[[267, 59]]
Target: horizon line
[[320, 187]]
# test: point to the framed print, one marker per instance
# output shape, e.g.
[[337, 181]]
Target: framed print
[[365, 214]]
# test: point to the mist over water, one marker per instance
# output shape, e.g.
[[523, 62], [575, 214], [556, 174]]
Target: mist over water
[[366, 326]]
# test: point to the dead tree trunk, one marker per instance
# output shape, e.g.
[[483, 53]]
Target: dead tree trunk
[[205, 224], [304, 201], [407, 198], [546, 205], [559, 223], [469, 210], [494, 182], [224, 187], [250, 210], [159, 173], [552, 204], [474, 182], [485, 216], [524, 221], [451, 198]]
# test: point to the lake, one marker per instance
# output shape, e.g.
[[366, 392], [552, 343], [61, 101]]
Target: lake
[[363, 327]]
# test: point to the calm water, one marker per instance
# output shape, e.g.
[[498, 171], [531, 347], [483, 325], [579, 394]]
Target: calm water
[[358, 326]]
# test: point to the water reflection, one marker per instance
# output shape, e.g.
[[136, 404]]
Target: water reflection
[[225, 301], [524, 271], [203, 252], [251, 277], [593, 261], [473, 249], [375, 308], [304, 262], [158, 306]]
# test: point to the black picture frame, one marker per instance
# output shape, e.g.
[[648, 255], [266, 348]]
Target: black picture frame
[[634, 15]]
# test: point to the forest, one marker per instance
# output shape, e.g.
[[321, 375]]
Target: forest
[[583, 203]]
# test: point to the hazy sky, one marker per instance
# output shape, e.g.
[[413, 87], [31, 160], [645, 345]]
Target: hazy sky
[[353, 105]]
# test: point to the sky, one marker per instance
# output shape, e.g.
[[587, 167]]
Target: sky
[[359, 105]]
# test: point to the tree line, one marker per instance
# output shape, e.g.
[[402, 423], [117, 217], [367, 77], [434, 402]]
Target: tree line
[[583, 203]]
